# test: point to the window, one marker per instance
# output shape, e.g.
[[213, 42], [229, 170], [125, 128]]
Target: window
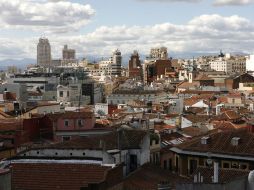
[[80, 122], [243, 166], [68, 93], [66, 138], [235, 165], [165, 165], [66, 123], [193, 164], [226, 164], [61, 93]]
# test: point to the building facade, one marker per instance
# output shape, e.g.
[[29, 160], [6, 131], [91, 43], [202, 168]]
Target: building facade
[[116, 65], [159, 53], [44, 53], [135, 67]]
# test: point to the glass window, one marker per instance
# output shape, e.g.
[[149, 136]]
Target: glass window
[[226, 164], [66, 138], [66, 123]]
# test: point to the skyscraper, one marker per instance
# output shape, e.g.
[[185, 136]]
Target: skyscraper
[[159, 53], [68, 54], [43, 53], [117, 63]]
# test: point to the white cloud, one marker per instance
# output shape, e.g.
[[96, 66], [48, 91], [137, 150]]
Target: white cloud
[[206, 33], [232, 2], [48, 16], [171, 1]]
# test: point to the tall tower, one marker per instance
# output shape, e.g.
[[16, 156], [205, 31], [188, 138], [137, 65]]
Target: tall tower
[[117, 63], [43, 53], [135, 67], [159, 53], [68, 54]]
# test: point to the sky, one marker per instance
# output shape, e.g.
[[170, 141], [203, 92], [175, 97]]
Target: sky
[[97, 27]]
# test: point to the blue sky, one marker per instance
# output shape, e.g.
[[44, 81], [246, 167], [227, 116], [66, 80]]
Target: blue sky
[[96, 27]]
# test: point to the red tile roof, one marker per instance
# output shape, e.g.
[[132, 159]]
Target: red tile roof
[[5, 115], [226, 125], [232, 115], [52, 176], [70, 115], [148, 177], [202, 77], [192, 131], [161, 127], [197, 118], [10, 124], [221, 143], [130, 139]]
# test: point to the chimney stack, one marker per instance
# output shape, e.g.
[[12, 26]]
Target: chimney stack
[[216, 172]]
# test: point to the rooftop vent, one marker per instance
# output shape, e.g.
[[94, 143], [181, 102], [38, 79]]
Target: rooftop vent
[[235, 141], [205, 140]]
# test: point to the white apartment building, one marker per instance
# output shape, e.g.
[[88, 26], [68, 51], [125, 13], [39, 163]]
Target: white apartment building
[[250, 63], [71, 95], [111, 67], [229, 65], [221, 65]]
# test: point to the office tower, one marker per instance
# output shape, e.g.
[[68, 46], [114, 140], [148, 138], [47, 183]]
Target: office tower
[[68, 54], [43, 53], [117, 63]]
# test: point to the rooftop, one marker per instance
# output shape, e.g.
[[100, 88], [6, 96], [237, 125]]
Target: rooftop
[[54, 176], [215, 145], [130, 139]]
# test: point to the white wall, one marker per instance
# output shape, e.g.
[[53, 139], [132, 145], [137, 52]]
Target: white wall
[[250, 63]]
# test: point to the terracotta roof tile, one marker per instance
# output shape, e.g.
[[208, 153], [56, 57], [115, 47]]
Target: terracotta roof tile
[[56, 176], [70, 115], [148, 177], [130, 139], [202, 77], [245, 147]]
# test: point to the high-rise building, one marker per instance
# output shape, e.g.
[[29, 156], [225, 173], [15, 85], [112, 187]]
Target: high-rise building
[[43, 53], [135, 67], [68, 54], [159, 53], [117, 63]]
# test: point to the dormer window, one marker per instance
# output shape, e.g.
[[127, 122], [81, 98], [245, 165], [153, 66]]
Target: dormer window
[[66, 123], [205, 140], [80, 122], [235, 141]]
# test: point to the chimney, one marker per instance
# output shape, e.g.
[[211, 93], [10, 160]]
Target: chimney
[[217, 110], [235, 141], [216, 172], [205, 140]]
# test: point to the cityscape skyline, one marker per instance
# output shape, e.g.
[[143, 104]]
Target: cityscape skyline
[[96, 28]]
